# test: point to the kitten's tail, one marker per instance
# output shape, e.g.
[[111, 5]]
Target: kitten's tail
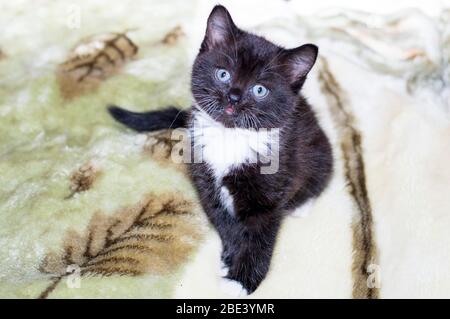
[[150, 121]]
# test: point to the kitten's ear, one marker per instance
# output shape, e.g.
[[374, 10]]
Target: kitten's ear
[[220, 28], [300, 61]]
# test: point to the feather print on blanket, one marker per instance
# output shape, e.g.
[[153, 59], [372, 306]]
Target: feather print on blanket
[[155, 235]]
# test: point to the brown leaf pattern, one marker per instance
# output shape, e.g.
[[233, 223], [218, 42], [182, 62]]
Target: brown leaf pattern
[[364, 244], [160, 145], [83, 178], [155, 235], [92, 60], [173, 36]]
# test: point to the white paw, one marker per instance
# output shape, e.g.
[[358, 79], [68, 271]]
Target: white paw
[[233, 288], [223, 269], [304, 210]]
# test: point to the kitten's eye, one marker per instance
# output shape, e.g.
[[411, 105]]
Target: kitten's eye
[[260, 91], [223, 75]]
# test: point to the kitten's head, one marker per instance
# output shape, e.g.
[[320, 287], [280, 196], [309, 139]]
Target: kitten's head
[[243, 80]]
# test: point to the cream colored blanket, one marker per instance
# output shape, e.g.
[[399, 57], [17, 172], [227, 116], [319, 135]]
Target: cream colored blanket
[[90, 209]]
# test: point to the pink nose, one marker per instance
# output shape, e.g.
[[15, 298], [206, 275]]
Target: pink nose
[[229, 109]]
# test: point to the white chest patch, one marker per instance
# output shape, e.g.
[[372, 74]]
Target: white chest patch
[[225, 148]]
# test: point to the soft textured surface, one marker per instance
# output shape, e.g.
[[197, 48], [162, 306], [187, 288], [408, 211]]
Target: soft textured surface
[[78, 190]]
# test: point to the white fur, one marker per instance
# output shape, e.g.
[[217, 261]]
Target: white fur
[[226, 148], [233, 288], [227, 199], [304, 210], [223, 269]]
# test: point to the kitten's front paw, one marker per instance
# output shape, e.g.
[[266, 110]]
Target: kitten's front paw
[[233, 288]]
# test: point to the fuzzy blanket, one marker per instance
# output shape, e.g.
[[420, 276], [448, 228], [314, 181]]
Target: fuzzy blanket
[[89, 209]]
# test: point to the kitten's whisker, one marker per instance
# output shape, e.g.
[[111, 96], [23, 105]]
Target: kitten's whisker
[[176, 116]]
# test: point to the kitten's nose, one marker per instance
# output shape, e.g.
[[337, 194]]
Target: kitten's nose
[[234, 95]]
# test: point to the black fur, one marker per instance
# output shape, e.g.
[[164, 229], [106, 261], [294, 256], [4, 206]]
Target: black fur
[[305, 162], [262, 200], [150, 121]]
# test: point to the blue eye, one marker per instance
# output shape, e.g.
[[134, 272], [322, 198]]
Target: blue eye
[[223, 75], [260, 91]]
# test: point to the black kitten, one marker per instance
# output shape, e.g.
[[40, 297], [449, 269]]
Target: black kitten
[[248, 109]]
